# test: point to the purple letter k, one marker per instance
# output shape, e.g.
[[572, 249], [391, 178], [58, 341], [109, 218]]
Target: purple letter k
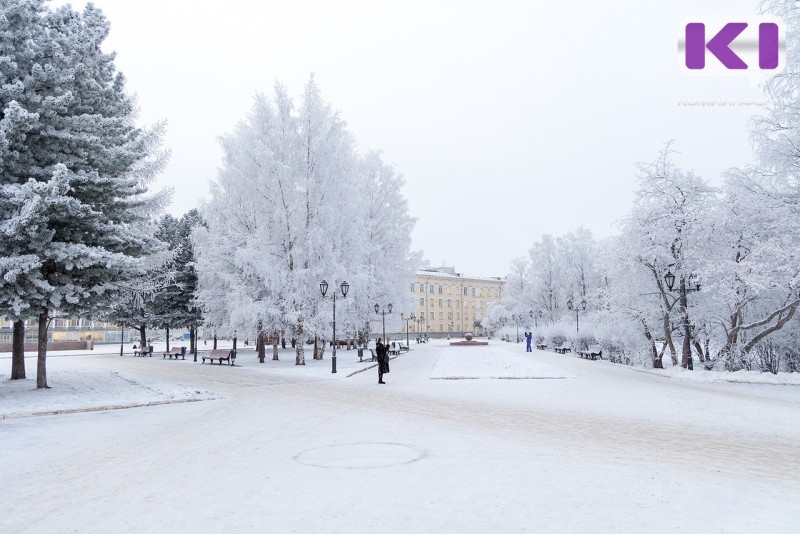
[[718, 45]]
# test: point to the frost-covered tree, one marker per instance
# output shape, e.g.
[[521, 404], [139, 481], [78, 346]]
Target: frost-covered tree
[[293, 205], [663, 233]]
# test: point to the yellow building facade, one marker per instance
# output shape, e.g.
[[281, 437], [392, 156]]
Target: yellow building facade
[[450, 303]]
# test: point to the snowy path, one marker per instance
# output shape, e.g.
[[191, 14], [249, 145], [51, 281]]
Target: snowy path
[[605, 448]]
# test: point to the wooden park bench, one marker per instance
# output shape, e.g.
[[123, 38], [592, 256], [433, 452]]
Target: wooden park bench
[[541, 346], [176, 351], [144, 351], [564, 348], [361, 355], [220, 354], [592, 352], [402, 348]]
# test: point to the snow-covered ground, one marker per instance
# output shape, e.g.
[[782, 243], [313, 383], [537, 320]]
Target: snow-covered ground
[[569, 446]]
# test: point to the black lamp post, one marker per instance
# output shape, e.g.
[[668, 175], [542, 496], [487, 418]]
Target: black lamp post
[[121, 337], [234, 343], [577, 313], [669, 278], [380, 311], [407, 319], [343, 288]]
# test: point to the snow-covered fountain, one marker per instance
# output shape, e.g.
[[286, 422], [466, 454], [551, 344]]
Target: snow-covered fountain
[[468, 341]]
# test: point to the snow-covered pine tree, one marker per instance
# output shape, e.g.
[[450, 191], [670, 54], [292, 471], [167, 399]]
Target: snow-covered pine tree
[[84, 124]]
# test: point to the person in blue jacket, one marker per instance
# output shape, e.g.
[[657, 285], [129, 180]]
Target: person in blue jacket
[[528, 338]]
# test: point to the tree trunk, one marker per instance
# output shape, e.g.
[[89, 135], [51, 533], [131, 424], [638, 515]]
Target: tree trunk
[[215, 341], [319, 349], [142, 336], [668, 338], [275, 346], [41, 365], [18, 351], [294, 343], [299, 358], [657, 362], [260, 343], [283, 341], [167, 339], [317, 354], [699, 348]]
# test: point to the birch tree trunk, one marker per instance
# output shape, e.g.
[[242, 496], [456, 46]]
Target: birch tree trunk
[[299, 358], [275, 346]]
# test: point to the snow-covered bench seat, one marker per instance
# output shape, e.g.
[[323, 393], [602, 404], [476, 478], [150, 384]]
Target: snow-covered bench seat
[[220, 354], [144, 351], [564, 348], [592, 352], [176, 351], [541, 346]]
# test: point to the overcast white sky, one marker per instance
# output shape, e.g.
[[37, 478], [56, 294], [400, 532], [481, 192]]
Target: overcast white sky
[[508, 119]]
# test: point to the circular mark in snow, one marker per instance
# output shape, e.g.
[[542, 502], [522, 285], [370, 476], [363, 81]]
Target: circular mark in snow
[[360, 455]]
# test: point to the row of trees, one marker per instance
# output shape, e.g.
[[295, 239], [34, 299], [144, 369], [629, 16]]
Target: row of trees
[[295, 203], [75, 207], [738, 242]]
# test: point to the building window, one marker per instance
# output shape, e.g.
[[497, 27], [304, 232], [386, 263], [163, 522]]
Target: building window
[[474, 292], [465, 291], [433, 316], [441, 327], [422, 288], [432, 288], [449, 316], [440, 303], [421, 315], [449, 303], [412, 288], [422, 301], [440, 290], [432, 303]]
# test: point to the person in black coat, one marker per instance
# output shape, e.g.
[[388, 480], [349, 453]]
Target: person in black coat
[[382, 353]]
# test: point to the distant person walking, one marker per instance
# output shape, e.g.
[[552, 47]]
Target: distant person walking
[[528, 338], [383, 359]]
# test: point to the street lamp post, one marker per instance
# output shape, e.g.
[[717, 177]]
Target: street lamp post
[[121, 337], [669, 278], [407, 319], [234, 343], [343, 288], [577, 313], [382, 312]]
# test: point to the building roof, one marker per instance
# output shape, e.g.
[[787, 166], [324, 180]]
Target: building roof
[[449, 272]]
